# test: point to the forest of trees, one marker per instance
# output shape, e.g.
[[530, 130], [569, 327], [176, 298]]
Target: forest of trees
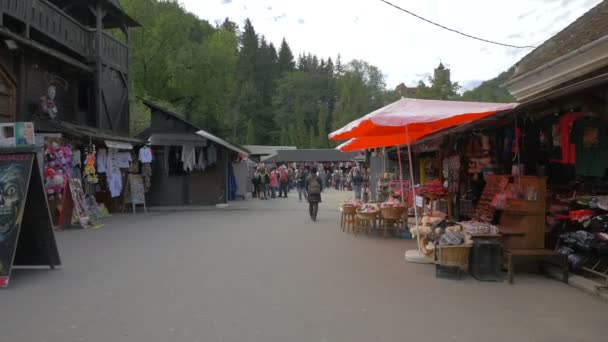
[[229, 80]]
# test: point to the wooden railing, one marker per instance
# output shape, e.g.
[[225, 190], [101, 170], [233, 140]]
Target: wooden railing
[[114, 51], [65, 30]]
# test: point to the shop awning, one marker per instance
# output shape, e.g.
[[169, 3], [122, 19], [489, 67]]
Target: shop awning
[[309, 155], [176, 139], [84, 132], [118, 144], [223, 142], [421, 117]]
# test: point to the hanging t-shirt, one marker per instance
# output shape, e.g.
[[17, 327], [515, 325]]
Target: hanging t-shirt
[[590, 137], [188, 158], [145, 155], [102, 160], [76, 158], [124, 160], [562, 134], [113, 173]]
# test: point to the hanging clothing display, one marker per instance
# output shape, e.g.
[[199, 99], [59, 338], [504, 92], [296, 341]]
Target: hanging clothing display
[[146, 174], [102, 160], [76, 158], [201, 163], [145, 155], [212, 155], [124, 160], [590, 137], [562, 133], [188, 157], [113, 173]]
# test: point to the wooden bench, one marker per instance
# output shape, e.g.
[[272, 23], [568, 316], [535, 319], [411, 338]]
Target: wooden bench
[[543, 256]]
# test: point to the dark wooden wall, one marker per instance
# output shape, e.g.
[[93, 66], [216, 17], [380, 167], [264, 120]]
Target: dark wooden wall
[[34, 73], [196, 188]]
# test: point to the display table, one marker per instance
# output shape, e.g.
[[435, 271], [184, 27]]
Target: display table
[[515, 256]]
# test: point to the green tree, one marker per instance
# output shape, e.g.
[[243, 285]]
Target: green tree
[[322, 140], [286, 61], [491, 90], [251, 136]]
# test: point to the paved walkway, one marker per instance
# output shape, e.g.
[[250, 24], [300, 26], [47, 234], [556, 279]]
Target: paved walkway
[[262, 271]]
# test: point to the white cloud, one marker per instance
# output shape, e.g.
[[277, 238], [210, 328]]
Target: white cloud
[[400, 45]]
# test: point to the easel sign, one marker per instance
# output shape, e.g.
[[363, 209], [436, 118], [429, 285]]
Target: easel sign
[[135, 193], [26, 227]]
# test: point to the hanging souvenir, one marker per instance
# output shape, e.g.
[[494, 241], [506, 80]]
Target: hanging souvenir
[[90, 174]]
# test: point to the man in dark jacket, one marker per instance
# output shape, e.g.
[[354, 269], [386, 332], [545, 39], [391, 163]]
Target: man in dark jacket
[[314, 187]]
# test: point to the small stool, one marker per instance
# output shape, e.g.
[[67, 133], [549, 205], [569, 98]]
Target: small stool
[[349, 221], [536, 255]]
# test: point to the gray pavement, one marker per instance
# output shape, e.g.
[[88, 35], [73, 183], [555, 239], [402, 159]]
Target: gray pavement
[[262, 271]]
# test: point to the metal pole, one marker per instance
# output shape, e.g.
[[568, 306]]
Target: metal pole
[[409, 152]]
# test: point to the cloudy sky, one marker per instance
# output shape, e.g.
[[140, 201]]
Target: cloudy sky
[[403, 47]]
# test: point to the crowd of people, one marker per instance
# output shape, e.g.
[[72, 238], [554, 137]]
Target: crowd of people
[[277, 182]]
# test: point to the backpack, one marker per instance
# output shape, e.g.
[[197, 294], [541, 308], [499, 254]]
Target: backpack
[[263, 177], [284, 176], [314, 187]]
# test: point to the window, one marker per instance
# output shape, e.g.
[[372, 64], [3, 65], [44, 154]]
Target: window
[[7, 98]]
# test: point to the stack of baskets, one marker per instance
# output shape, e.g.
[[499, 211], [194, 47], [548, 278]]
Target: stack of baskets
[[392, 213], [453, 256]]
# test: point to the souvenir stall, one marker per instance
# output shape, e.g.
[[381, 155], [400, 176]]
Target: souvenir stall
[[533, 183], [83, 171], [417, 119], [190, 166]]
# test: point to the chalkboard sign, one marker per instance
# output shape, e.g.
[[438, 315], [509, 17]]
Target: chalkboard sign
[[136, 187], [135, 192], [26, 228]]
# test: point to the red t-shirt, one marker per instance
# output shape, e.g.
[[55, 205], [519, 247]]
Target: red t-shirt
[[564, 126]]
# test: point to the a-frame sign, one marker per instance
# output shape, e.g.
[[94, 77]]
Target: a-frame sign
[[26, 227]]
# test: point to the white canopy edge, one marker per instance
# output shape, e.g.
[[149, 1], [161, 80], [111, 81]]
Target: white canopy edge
[[222, 142]]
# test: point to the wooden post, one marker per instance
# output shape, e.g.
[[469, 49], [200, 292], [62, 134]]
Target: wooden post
[[99, 14]]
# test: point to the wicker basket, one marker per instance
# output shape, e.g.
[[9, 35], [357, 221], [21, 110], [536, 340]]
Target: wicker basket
[[392, 213], [349, 209], [452, 255], [367, 215]]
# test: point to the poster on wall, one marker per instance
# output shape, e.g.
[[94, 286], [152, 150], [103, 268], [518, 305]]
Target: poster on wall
[[26, 230], [81, 213]]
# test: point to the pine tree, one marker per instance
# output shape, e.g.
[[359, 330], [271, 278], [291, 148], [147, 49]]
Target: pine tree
[[322, 127], [248, 53], [311, 137], [251, 137], [284, 138], [291, 136], [286, 61], [300, 130]]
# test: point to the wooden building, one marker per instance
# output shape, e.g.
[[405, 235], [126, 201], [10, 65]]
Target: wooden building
[[59, 64], [207, 182]]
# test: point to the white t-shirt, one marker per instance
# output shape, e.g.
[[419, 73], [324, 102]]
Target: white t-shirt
[[145, 155], [124, 159]]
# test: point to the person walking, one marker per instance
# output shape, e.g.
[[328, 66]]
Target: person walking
[[301, 184], [284, 181], [337, 180], [264, 179], [313, 188], [322, 177], [274, 183], [357, 182], [256, 184]]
